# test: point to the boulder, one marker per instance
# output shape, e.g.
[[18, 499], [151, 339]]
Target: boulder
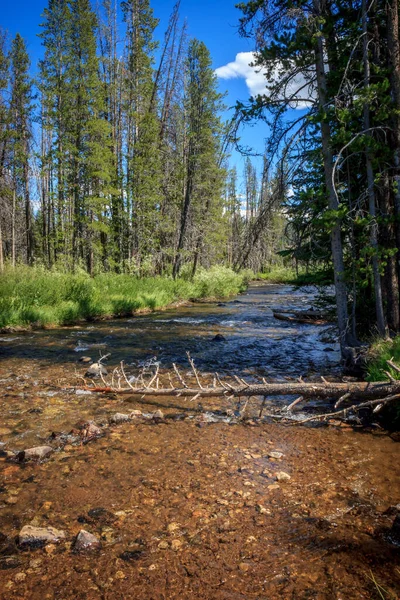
[[35, 537], [86, 541]]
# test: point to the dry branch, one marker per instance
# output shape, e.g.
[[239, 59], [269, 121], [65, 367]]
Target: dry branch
[[332, 390], [360, 393]]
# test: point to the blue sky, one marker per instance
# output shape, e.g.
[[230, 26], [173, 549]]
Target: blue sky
[[215, 22]]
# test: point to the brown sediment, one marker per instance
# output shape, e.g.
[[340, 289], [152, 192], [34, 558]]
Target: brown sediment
[[197, 513]]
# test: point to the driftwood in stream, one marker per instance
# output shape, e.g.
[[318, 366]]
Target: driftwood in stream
[[301, 317], [349, 396], [306, 390]]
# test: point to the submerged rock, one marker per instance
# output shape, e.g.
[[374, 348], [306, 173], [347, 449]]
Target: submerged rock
[[219, 338], [95, 370], [86, 541], [35, 537], [37, 453], [85, 359], [90, 430], [101, 515], [282, 476], [276, 455], [120, 418], [135, 414]]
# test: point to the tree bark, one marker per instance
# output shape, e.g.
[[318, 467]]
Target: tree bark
[[380, 317], [345, 335]]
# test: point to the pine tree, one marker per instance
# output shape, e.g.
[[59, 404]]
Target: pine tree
[[203, 134], [21, 136]]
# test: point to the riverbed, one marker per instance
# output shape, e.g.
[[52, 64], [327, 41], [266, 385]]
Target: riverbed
[[191, 503]]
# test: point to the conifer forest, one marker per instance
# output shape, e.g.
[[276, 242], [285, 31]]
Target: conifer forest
[[115, 156]]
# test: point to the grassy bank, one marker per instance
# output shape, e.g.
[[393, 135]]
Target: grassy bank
[[47, 299], [380, 352], [288, 275]]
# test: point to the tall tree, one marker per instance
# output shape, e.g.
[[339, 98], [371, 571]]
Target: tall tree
[[21, 135], [203, 126]]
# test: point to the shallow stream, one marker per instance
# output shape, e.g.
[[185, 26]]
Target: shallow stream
[[185, 505]]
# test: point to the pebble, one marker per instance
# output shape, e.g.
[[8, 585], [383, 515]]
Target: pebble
[[95, 370], [244, 567], [176, 545], [120, 575], [158, 414], [276, 455], [20, 577], [163, 545], [11, 500], [37, 453], [39, 536], [86, 541], [173, 527], [282, 476], [35, 563], [219, 338], [91, 430], [262, 510], [85, 359], [135, 414], [120, 418]]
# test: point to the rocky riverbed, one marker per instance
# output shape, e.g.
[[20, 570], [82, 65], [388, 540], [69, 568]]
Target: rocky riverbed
[[163, 499]]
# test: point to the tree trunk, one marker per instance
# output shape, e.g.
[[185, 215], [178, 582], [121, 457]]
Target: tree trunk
[[380, 317], [393, 45], [345, 336]]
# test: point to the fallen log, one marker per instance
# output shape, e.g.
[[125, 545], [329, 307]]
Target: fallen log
[[366, 394], [313, 314], [333, 390], [299, 319]]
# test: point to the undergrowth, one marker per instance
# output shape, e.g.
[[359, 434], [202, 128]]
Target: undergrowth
[[377, 368], [32, 295], [289, 275]]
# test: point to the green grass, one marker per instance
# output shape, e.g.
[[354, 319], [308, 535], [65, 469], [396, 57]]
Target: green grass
[[34, 296], [379, 353], [288, 275]]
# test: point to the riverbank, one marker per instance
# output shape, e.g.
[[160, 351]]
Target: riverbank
[[34, 297]]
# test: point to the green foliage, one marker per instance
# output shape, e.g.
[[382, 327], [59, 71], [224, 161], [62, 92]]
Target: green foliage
[[43, 298], [380, 352]]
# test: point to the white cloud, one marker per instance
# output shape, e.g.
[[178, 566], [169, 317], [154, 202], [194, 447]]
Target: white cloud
[[256, 80], [240, 68]]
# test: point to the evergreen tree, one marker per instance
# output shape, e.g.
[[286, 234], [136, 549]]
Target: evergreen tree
[[21, 137], [203, 134]]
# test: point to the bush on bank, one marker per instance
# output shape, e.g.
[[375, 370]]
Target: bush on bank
[[32, 295]]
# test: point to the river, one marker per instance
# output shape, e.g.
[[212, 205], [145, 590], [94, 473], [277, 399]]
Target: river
[[188, 507]]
